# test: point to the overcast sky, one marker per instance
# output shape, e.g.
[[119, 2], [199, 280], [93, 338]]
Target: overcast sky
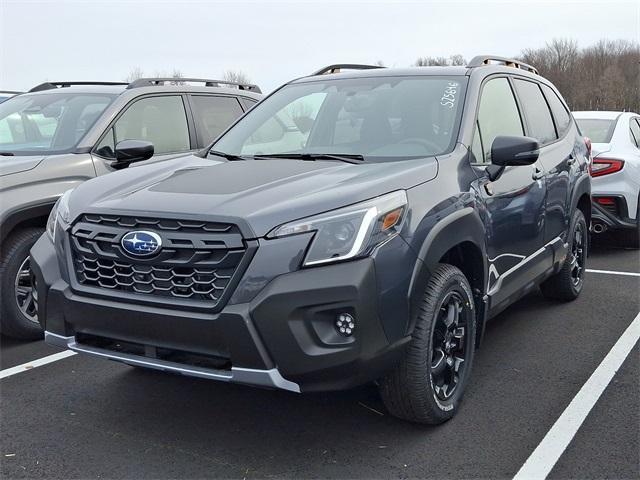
[[275, 41]]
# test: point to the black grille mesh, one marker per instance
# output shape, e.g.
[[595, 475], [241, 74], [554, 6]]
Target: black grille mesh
[[197, 260]]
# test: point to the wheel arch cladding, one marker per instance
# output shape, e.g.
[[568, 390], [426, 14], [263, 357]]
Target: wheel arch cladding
[[32, 216], [584, 204], [458, 239], [582, 197]]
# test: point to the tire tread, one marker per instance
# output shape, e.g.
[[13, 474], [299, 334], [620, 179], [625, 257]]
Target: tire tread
[[10, 255], [405, 391]]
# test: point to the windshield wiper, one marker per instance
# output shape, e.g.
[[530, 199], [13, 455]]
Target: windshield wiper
[[229, 156], [7, 154], [341, 157]]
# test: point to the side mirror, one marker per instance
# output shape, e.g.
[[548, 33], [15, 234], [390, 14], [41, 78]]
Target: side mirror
[[130, 151], [509, 151]]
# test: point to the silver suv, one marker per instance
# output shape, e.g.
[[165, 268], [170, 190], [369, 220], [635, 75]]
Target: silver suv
[[60, 134]]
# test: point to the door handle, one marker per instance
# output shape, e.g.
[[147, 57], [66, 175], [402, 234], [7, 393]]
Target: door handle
[[538, 173]]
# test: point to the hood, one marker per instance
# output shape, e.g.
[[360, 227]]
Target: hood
[[19, 163], [258, 195]]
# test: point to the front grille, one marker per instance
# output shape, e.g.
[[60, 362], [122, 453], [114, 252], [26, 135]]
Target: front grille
[[197, 261]]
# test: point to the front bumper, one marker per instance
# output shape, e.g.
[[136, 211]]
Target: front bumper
[[265, 378], [283, 337]]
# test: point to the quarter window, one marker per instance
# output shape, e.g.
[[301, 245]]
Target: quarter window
[[634, 130], [497, 115], [248, 103], [213, 115], [539, 121], [107, 146], [159, 120], [560, 114]]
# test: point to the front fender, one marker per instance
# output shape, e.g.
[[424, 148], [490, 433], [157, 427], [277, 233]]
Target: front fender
[[462, 226]]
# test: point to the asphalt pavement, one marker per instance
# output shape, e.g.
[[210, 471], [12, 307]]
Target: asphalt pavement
[[88, 418]]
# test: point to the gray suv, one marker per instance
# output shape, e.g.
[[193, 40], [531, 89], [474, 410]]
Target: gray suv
[[60, 134], [371, 238]]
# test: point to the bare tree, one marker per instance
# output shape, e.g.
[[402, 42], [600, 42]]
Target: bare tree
[[440, 61], [134, 74], [177, 75], [457, 60], [605, 76], [236, 76], [431, 61]]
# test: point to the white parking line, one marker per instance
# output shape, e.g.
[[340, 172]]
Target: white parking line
[[36, 363], [555, 442], [613, 272]]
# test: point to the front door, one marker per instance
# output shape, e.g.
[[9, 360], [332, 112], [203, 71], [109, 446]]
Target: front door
[[514, 204], [159, 119]]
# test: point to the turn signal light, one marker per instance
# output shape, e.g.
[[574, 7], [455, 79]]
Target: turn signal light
[[605, 166], [391, 218]]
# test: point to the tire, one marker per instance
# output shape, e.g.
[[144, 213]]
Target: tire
[[567, 284], [15, 253], [413, 390]]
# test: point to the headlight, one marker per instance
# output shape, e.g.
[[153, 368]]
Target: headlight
[[60, 211], [349, 232]]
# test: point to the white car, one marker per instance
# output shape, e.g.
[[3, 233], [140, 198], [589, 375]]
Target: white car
[[615, 172]]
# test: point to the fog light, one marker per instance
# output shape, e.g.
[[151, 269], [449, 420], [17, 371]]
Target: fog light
[[345, 324]]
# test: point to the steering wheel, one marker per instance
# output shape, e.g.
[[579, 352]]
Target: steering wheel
[[430, 146]]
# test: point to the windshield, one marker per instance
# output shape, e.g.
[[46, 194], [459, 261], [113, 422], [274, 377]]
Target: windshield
[[48, 123], [599, 130], [380, 118]]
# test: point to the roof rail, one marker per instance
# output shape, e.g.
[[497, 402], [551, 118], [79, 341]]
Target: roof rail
[[148, 82], [339, 66], [52, 85], [482, 60]]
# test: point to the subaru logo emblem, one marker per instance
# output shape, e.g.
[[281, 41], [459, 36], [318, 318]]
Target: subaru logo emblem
[[141, 243]]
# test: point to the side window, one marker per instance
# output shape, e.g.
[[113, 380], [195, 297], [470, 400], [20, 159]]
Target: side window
[[213, 114], [159, 120], [497, 115], [536, 111], [634, 131], [247, 103], [560, 114]]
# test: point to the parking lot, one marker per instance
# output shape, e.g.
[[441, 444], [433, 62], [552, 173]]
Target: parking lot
[[81, 417]]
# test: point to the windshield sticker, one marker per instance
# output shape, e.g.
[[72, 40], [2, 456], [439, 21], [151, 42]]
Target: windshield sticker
[[449, 97]]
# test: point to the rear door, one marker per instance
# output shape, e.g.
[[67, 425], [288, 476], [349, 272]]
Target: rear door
[[554, 156], [212, 115], [558, 156], [514, 203]]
